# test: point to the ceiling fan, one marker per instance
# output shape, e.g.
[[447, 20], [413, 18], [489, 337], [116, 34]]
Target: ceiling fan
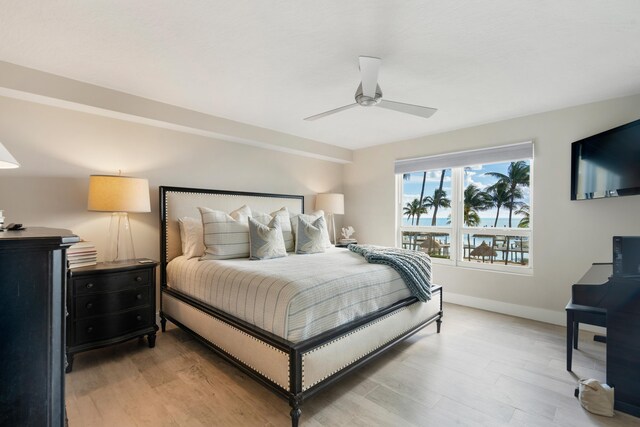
[[369, 94]]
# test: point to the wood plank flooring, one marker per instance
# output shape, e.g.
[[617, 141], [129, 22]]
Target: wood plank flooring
[[483, 369]]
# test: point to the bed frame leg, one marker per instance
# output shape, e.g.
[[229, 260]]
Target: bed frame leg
[[295, 411], [163, 322]]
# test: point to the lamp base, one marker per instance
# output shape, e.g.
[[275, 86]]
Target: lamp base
[[333, 228], [120, 244]]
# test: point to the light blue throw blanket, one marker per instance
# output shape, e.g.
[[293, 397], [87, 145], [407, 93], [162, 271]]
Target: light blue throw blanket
[[414, 267]]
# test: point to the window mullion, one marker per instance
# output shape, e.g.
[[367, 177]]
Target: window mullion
[[457, 212]]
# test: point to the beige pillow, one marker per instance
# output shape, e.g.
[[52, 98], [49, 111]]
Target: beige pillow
[[191, 236], [225, 235], [285, 223]]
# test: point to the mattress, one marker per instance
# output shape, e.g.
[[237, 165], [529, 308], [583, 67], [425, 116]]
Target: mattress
[[295, 297]]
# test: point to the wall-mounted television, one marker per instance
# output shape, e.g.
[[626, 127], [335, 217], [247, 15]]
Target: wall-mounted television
[[607, 164]]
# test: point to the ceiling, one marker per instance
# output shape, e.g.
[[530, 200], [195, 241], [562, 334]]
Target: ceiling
[[272, 63]]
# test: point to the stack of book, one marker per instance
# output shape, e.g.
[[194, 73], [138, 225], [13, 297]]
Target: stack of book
[[347, 241], [82, 254]]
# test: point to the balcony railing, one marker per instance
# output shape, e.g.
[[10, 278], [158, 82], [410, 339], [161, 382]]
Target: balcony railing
[[436, 244], [504, 247]]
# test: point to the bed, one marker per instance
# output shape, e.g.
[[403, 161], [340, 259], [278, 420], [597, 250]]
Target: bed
[[254, 313]]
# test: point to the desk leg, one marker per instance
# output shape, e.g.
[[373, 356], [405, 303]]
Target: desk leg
[[570, 328], [576, 332]]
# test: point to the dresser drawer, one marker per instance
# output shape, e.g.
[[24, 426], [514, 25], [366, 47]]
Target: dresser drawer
[[104, 303], [111, 282], [110, 326]]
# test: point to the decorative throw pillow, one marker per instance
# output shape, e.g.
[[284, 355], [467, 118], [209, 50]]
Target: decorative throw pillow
[[266, 241], [191, 236], [309, 236], [225, 235], [285, 224], [311, 218]]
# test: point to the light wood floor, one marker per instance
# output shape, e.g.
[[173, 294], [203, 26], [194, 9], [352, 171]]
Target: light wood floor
[[483, 369]]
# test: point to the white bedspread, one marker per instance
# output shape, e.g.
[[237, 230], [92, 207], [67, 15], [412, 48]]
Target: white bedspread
[[296, 297]]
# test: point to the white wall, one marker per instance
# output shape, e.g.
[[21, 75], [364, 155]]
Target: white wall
[[58, 149], [568, 236]]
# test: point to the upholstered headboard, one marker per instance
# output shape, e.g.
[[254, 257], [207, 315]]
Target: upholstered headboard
[[178, 202]]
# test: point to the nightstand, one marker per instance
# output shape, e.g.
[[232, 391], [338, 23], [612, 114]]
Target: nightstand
[[108, 304]]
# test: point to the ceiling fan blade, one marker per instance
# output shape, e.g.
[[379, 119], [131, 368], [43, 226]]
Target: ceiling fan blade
[[327, 113], [416, 110], [369, 68]]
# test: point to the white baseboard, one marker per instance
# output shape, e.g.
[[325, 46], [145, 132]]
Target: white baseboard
[[533, 313]]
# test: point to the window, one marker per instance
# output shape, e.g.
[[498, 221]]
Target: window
[[472, 209]]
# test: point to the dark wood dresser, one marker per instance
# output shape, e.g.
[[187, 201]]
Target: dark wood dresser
[[109, 303], [32, 289]]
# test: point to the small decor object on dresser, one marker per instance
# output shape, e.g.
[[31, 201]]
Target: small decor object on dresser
[[110, 303], [346, 240]]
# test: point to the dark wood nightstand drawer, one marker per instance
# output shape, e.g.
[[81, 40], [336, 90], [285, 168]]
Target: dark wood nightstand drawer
[[105, 327], [111, 282], [103, 303]]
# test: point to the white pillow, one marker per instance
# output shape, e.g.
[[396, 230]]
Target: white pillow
[[309, 236], [266, 241], [225, 235], [285, 225], [191, 236], [310, 218]]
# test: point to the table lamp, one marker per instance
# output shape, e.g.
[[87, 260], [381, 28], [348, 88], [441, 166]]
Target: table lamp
[[332, 204], [119, 195]]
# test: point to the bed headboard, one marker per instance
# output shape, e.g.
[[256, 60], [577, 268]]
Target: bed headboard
[[177, 202]]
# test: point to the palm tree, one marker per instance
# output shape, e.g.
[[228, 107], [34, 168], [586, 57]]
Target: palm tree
[[411, 210], [439, 198], [500, 197], [517, 176], [424, 181], [407, 177], [526, 215], [474, 200], [414, 208]]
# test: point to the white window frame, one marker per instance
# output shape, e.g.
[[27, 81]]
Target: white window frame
[[457, 230]]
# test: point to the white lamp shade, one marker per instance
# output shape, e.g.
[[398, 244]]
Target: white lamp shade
[[7, 161], [332, 203], [109, 193]]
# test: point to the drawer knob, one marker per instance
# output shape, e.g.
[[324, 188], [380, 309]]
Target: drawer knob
[[139, 279], [89, 285], [89, 305], [90, 329], [138, 318], [139, 296]]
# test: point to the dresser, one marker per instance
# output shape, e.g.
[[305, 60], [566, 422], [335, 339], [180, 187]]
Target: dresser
[[109, 303], [32, 290]]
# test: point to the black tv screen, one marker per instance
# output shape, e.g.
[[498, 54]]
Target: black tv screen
[[607, 164]]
